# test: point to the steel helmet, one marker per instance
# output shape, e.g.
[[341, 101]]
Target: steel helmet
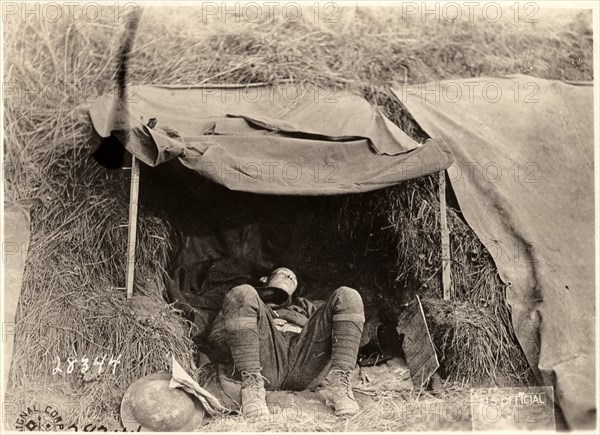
[[149, 405]]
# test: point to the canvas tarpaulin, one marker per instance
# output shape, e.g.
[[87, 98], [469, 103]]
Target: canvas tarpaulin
[[272, 140], [524, 179]]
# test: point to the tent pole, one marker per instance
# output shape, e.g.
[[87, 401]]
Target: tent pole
[[446, 279], [133, 212]]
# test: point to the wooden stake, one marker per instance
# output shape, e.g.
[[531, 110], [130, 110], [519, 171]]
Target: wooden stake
[[446, 279], [133, 211]]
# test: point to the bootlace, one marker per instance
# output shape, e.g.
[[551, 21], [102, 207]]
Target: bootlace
[[343, 377], [252, 381]]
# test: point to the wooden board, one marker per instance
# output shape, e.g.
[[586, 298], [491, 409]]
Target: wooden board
[[418, 347]]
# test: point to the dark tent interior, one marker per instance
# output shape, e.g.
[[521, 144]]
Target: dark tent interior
[[226, 238]]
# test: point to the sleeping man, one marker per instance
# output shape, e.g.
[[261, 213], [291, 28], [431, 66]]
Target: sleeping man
[[280, 345]]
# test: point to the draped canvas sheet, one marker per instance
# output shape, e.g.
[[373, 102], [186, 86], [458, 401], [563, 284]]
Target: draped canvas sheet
[[524, 179], [273, 140]]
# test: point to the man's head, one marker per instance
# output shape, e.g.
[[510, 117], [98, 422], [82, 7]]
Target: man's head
[[282, 278]]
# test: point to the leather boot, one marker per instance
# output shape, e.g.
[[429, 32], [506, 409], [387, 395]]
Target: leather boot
[[254, 404], [339, 392]]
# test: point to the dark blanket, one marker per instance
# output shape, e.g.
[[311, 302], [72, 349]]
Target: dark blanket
[[199, 290]]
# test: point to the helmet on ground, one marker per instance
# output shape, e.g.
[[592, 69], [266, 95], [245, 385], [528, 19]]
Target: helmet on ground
[[149, 405]]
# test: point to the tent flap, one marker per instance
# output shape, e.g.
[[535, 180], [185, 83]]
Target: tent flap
[[261, 140], [524, 179]]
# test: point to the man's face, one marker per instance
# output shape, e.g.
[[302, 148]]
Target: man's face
[[284, 279]]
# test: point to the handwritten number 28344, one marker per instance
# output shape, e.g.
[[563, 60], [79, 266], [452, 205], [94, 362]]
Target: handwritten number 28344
[[82, 365]]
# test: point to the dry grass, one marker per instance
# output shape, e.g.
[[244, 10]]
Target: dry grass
[[473, 334], [69, 304], [415, 411]]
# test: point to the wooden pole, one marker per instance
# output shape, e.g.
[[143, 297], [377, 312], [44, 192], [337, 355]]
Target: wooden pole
[[133, 211], [121, 125], [446, 279]]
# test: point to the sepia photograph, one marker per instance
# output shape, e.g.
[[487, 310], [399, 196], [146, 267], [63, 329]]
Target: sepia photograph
[[299, 216]]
